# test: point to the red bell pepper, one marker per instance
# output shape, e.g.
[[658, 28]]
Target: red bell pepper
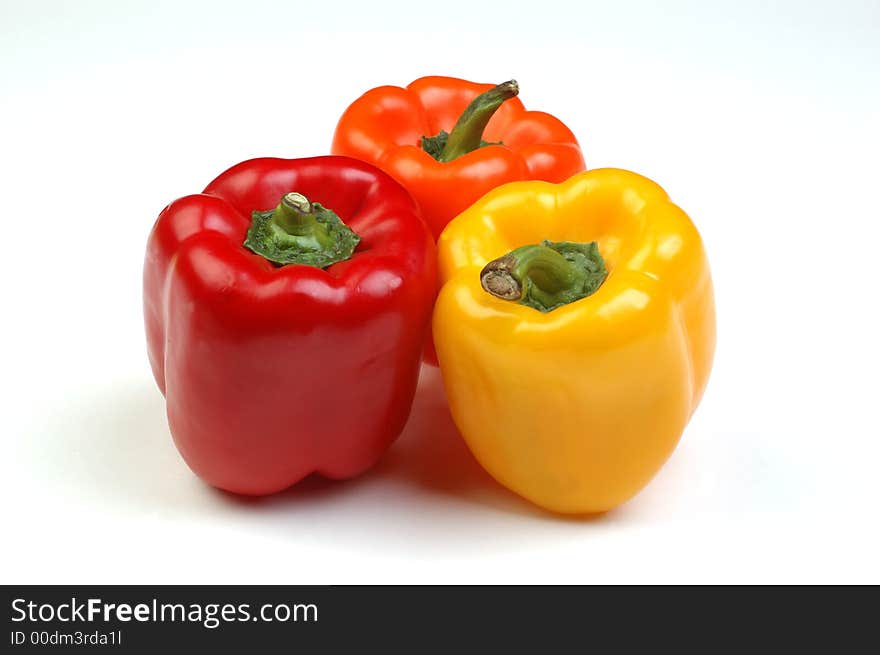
[[302, 358]]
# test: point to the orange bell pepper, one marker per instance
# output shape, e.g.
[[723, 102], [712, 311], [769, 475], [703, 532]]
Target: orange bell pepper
[[449, 141]]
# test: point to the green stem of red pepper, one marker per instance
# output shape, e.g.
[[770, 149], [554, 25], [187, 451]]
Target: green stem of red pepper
[[547, 275], [298, 231]]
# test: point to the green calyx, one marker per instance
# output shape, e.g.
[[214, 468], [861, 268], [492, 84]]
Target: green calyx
[[467, 135], [547, 275], [434, 145], [300, 232]]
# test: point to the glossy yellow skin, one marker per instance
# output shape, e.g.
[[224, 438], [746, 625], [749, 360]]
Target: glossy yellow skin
[[577, 409]]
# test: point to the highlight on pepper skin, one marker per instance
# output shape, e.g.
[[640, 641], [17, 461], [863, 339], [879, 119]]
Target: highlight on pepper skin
[[575, 330]]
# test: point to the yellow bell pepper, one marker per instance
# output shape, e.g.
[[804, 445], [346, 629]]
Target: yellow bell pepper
[[572, 388]]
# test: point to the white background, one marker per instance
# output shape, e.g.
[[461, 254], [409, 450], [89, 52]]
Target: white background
[[761, 119]]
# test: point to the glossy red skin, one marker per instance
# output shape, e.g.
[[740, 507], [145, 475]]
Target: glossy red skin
[[270, 373]]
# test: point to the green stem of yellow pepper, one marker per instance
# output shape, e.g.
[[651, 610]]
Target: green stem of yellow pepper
[[547, 275]]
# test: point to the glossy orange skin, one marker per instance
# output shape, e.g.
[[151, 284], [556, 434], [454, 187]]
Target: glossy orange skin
[[385, 126]]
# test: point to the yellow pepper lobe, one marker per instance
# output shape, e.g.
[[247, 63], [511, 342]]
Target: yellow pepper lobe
[[576, 409]]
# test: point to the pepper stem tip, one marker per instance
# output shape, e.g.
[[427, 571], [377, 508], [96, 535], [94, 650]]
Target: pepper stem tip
[[297, 201], [496, 278], [509, 88]]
